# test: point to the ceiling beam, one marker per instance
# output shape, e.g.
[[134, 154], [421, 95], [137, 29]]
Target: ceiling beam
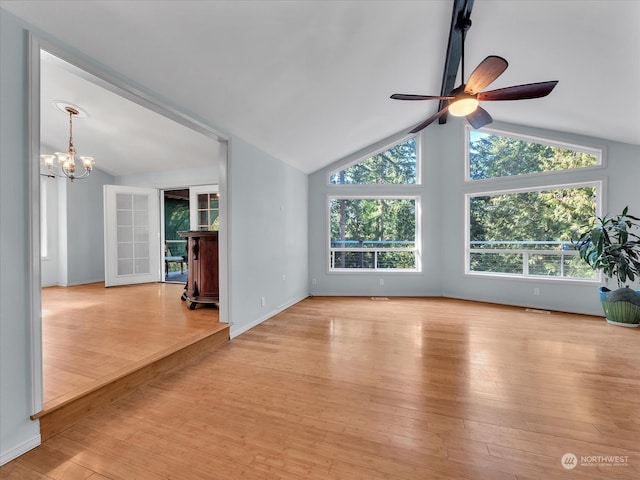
[[461, 9]]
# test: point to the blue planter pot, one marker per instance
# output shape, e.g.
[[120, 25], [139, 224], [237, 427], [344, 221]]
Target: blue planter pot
[[621, 306]]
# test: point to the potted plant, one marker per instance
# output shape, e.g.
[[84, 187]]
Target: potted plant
[[612, 245]]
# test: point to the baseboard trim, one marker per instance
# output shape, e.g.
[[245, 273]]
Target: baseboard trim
[[234, 332], [15, 452]]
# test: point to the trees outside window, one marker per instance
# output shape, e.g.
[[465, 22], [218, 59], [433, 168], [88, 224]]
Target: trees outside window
[[393, 166], [527, 231], [373, 233], [497, 155], [371, 230]]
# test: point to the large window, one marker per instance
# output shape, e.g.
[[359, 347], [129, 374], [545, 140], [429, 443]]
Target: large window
[[373, 233], [373, 212], [527, 231]]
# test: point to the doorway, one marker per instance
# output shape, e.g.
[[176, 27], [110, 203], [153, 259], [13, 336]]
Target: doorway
[[106, 81], [176, 217]]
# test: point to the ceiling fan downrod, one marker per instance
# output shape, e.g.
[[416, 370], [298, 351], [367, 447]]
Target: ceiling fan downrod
[[463, 24]]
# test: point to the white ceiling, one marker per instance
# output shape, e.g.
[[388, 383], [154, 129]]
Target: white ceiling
[[123, 137], [309, 81]]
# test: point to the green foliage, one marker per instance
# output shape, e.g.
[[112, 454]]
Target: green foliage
[[373, 220], [396, 165], [548, 215], [373, 223], [176, 219], [376, 223], [493, 156], [612, 245], [523, 220]]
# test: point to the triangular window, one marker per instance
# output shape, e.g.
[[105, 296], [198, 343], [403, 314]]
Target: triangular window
[[396, 165]]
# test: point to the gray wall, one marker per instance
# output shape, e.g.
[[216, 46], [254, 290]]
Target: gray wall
[[76, 230], [50, 266], [17, 431], [268, 246], [85, 229], [443, 227]]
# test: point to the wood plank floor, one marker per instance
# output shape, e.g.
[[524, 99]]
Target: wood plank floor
[[90, 332], [355, 388]]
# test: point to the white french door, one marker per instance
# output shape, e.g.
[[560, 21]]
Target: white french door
[[131, 235]]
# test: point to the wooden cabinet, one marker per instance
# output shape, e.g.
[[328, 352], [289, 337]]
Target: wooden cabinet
[[202, 285]]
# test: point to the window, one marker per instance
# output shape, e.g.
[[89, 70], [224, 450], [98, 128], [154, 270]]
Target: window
[[373, 212], [528, 232], [208, 207], [395, 165], [44, 218], [133, 239], [494, 154], [373, 233]]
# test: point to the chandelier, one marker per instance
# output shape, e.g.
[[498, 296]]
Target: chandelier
[[66, 166]]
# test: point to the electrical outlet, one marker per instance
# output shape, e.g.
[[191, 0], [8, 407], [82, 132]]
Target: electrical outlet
[[536, 291], [381, 281], [313, 281], [284, 277], [263, 301]]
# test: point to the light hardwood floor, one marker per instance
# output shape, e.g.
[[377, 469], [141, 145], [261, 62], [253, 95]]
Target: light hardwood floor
[[355, 388], [91, 334]]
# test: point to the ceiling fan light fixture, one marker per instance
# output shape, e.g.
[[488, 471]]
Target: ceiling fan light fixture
[[463, 106]]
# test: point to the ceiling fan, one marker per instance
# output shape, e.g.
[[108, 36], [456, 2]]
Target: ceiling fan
[[463, 101]]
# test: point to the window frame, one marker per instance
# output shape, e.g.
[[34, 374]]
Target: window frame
[[599, 185], [417, 249], [412, 191], [599, 151], [44, 219]]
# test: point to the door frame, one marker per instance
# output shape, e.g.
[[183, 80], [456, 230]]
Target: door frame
[[122, 87]]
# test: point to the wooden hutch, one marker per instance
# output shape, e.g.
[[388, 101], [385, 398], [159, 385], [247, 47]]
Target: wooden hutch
[[203, 285]]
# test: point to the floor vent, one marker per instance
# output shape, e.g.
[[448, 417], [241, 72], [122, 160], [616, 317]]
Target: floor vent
[[535, 310], [379, 298]]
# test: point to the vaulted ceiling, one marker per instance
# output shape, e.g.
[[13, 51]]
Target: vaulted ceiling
[[309, 81]]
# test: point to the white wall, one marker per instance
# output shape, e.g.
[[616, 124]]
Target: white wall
[[17, 432], [268, 242], [180, 178]]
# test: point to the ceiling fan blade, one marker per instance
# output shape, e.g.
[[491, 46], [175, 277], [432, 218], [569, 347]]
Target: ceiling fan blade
[[430, 120], [403, 96], [519, 92], [479, 118], [485, 73]]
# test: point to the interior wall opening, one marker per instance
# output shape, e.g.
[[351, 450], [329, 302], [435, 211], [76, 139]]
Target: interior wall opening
[[217, 152]]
